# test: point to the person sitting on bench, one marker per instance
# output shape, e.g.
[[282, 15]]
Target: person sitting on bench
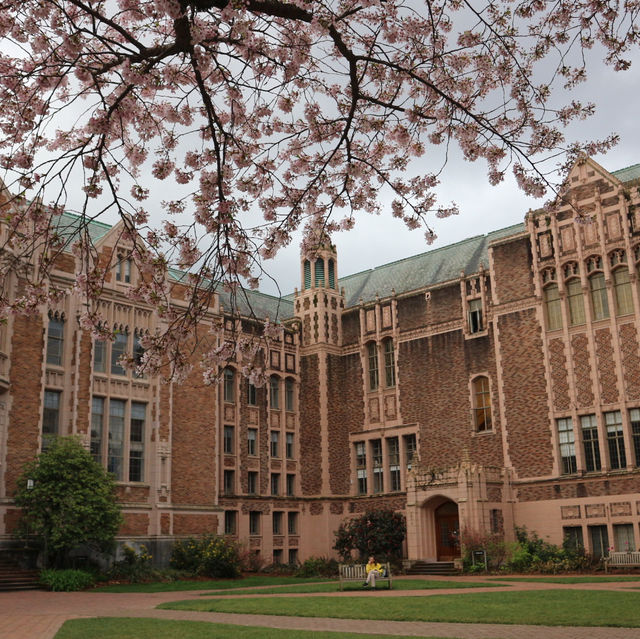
[[373, 570]]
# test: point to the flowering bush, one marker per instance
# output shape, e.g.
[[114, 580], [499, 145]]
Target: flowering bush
[[209, 555], [136, 566], [377, 532]]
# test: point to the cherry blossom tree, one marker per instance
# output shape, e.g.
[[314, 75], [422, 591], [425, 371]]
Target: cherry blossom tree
[[259, 117]]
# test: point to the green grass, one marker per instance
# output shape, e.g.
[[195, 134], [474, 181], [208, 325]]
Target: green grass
[[125, 628], [332, 586], [583, 579], [569, 608], [213, 584]]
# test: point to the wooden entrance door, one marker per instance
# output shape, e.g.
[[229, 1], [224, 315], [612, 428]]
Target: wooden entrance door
[[447, 531]]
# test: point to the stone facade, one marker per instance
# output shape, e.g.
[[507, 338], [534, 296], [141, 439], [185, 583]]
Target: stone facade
[[488, 384]]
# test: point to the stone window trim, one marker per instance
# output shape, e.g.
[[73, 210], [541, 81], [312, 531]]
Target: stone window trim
[[362, 476], [474, 298], [481, 401]]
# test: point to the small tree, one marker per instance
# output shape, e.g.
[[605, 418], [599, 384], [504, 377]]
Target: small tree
[[67, 500], [376, 532]]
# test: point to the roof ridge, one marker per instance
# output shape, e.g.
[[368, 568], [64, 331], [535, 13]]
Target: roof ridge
[[91, 220], [626, 168]]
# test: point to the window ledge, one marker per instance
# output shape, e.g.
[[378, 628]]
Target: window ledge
[[483, 333]]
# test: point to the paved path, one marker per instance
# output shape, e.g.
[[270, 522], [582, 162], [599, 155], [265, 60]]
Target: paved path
[[39, 614]]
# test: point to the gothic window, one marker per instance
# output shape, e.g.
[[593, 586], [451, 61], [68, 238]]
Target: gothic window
[[372, 361], [274, 392], [119, 349], [378, 471], [252, 438], [475, 316], [410, 447], [393, 451], [289, 394], [254, 522], [389, 363], [123, 269], [230, 519], [50, 417], [576, 302], [275, 443], [553, 307], [481, 404], [599, 303], [252, 395], [55, 339], [590, 442], [229, 440], [615, 440], [332, 274], [622, 291], [567, 443], [361, 467], [99, 356], [228, 385]]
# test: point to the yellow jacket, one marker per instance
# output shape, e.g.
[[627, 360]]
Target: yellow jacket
[[371, 567]]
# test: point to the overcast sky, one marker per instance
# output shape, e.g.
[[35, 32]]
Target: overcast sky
[[377, 240]]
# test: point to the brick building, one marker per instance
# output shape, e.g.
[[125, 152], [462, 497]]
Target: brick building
[[487, 384]]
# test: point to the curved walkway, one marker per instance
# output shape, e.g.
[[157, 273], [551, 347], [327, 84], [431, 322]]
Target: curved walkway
[[39, 614]]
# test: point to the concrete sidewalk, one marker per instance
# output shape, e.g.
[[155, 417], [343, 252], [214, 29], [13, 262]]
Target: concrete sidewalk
[[39, 614]]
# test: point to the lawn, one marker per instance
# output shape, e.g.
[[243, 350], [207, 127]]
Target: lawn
[[569, 608], [581, 579], [125, 628], [212, 584], [332, 586]]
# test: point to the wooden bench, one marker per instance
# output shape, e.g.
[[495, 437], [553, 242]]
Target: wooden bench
[[358, 573], [622, 560]]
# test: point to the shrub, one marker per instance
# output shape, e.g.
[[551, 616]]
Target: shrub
[[135, 567], [66, 580], [492, 543], [376, 532], [318, 567], [210, 555]]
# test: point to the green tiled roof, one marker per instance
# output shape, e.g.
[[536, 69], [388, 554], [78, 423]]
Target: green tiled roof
[[68, 224], [427, 269], [249, 303], [627, 174]]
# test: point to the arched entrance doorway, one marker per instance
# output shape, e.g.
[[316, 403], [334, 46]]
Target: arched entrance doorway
[[447, 531]]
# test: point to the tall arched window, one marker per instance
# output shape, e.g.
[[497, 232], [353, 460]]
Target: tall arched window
[[389, 363], [372, 361], [481, 404], [599, 301], [229, 385], [553, 307], [332, 274], [622, 291], [576, 302], [274, 392], [319, 277], [289, 394]]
